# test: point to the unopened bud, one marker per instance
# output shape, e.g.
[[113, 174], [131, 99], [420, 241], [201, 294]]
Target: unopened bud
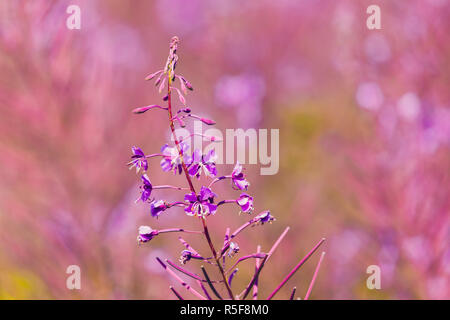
[[209, 122], [146, 108]]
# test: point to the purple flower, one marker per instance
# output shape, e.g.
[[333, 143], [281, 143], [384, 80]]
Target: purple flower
[[146, 234], [238, 178], [156, 207], [264, 217], [202, 204], [171, 158], [245, 202], [146, 188], [138, 159], [186, 255], [203, 162], [234, 248]]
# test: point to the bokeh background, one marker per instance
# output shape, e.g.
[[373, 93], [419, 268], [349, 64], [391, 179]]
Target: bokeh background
[[364, 125]]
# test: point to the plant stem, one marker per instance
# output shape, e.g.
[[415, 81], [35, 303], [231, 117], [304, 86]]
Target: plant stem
[[191, 186], [208, 238], [177, 143], [184, 284], [314, 276], [257, 263], [295, 269]]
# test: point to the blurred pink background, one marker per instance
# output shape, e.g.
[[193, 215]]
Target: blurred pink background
[[364, 125]]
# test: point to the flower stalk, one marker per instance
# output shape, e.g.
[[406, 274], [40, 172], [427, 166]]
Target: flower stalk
[[199, 202], [171, 67]]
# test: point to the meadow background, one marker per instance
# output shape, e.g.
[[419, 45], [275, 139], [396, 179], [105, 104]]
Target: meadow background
[[364, 125]]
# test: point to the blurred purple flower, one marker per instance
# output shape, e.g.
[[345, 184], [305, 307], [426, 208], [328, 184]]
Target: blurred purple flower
[[238, 178], [245, 202], [181, 18], [146, 188], [201, 205], [171, 158], [377, 48], [234, 248], [156, 207], [264, 217], [409, 107], [146, 234], [186, 255], [205, 163], [369, 96], [245, 93], [139, 161]]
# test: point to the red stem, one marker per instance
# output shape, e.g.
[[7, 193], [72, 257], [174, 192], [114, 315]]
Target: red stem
[[257, 263], [314, 276], [295, 269], [191, 186], [255, 255]]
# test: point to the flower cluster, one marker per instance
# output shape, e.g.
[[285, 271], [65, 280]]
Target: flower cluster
[[177, 158]]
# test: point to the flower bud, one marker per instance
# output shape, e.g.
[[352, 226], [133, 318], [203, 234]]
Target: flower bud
[[207, 121], [151, 76], [146, 108]]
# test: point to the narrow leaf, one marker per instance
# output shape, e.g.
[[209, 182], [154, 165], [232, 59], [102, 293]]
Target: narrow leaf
[[210, 283]]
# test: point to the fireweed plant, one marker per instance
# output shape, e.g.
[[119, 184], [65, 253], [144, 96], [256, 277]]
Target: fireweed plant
[[202, 202]]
